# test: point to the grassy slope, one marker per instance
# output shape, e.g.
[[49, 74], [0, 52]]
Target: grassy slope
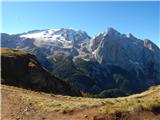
[[76, 107], [20, 68], [12, 52]]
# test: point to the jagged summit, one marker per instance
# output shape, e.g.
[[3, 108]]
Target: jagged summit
[[114, 34], [111, 30], [93, 64]]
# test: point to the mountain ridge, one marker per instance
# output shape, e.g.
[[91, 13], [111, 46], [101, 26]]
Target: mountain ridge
[[108, 60]]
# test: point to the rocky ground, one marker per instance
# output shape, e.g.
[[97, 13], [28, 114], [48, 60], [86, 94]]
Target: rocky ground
[[21, 104]]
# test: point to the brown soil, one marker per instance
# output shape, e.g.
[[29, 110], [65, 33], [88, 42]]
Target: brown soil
[[15, 108]]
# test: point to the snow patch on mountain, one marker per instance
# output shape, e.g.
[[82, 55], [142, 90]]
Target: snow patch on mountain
[[65, 38], [108, 50]]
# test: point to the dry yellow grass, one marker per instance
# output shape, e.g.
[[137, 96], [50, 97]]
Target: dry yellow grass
[[12, 52], [148, 100]]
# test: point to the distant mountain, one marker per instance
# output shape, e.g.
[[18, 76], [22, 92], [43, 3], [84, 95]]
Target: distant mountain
[[64, 38], [45, 43], [22, 69], [109, 60]]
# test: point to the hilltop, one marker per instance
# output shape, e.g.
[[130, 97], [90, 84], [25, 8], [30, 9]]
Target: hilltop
[[22, 69]]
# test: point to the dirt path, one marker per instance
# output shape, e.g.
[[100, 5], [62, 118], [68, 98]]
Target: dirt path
[[15, 108]]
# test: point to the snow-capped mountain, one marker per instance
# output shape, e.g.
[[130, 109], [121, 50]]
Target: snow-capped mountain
[[108, 60], [57, 37], [47, 44]]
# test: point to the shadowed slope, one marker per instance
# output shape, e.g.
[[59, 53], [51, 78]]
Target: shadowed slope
[[22, 69]]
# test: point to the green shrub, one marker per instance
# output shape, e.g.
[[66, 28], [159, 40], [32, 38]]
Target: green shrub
[[111, 93]]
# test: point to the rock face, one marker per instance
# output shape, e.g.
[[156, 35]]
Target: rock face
[[22, 69], [130, 54], [108, 60]]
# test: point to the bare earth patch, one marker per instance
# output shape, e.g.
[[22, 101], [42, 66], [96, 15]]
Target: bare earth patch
[[21, 104]]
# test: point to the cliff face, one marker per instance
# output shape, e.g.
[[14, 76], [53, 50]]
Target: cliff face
[[22, 69], [131, 54], [108, 60]]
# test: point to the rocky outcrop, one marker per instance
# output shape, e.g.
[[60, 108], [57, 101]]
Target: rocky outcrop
[[130, 54]]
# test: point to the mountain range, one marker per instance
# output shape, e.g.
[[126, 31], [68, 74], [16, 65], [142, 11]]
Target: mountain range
[[109, 61]]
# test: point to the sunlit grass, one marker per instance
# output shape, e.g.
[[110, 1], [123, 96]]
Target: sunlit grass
[[146, 101], [12, 52]]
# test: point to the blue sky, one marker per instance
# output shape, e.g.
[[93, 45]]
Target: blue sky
[[139, 18]]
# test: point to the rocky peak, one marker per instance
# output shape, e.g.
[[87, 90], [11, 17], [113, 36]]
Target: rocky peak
[[150, 45], [130, 35], [111, 32]]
